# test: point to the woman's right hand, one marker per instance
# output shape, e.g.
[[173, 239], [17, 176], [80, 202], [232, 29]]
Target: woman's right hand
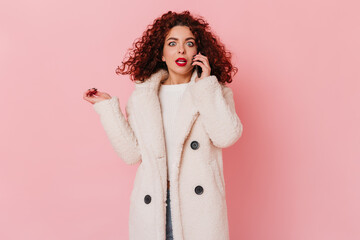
[[93, 96]]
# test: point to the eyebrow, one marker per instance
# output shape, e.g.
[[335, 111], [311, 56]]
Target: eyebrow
[[178, 39]]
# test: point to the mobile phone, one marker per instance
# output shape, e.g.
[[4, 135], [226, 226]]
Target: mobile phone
[[198, 68]]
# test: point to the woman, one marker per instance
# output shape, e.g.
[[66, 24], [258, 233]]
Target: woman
[[177, 123]]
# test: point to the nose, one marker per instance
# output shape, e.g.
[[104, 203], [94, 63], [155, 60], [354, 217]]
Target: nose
[[181, 49]]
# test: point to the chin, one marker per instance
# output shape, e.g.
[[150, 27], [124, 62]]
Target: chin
[[182, 70]]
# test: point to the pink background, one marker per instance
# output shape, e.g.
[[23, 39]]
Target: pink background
[[294, 174]]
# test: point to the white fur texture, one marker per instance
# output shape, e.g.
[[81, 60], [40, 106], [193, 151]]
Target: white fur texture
[[206, 115]]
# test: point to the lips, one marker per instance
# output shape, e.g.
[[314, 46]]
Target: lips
[[181, 61]]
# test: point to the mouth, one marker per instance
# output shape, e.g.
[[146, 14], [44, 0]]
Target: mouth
[[181, 62]]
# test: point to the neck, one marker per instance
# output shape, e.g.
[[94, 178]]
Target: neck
[[175, 78]]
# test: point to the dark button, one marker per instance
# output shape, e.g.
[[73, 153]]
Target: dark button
[[147, 199], [199, 190], [194, 145]]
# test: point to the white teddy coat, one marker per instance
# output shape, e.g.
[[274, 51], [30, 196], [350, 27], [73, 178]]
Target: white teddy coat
[[206, 117]]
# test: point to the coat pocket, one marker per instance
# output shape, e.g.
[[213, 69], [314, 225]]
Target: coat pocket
[[216, 173]]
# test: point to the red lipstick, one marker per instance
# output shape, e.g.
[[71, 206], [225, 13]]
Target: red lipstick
[[181, 62]]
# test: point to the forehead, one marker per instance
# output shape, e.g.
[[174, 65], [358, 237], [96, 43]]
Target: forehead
[[180, 32]]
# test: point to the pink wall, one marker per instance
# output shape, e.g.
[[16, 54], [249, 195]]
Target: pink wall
[[294, 174]]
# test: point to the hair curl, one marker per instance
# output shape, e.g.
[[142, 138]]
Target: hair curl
[[145, 57]]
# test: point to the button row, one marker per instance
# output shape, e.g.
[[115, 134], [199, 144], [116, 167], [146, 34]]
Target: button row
[[198, 190]]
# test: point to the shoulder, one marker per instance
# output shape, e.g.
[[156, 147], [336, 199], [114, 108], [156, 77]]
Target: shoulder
[[225, 89]]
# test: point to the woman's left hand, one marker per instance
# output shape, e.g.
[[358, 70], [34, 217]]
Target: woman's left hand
[[203, 62]]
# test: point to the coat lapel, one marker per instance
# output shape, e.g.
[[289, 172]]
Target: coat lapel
[[185, 118]]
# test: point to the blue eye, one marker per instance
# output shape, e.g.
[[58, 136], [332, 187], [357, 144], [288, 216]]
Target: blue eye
[[192, 44]]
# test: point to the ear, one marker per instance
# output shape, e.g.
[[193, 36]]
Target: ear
[[163, 59]]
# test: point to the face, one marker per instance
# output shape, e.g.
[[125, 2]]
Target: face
[[179, 43]]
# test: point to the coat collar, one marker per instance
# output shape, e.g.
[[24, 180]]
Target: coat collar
[[154, 81], [148, 117]]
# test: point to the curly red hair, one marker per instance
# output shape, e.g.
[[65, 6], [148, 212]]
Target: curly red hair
[[145, 57]]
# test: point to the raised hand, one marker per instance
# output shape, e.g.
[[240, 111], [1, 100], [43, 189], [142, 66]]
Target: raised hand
[[93, 96]]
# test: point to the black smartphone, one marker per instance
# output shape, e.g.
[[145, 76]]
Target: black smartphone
[[198, 68]]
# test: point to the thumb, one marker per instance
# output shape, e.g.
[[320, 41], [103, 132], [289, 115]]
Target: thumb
[[102, 95], [99, 94]]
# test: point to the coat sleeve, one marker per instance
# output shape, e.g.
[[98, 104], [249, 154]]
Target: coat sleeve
[[217, 107], [119, 130]]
